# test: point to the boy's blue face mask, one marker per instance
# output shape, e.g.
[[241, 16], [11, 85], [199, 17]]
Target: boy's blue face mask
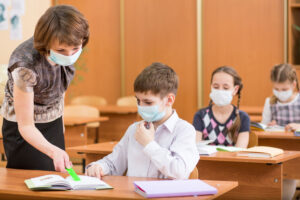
[[64, 60], [151, 113]]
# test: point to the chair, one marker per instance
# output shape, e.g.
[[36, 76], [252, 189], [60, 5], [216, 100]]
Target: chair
[[126, 101], [89, 100], [194, 174], [253, 139], [84, 111]]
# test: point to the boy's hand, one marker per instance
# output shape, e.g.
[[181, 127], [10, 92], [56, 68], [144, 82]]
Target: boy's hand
[[292, 127], [144, 135], [95, 170]]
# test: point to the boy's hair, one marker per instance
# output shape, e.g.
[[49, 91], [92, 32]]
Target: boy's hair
[[157, 78], [237, 81], [64, 23], [281, 73]]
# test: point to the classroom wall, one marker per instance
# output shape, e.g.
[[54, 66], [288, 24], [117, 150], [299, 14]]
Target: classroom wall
[[128, 35], [247, 35], [163, 31], [98, 68], [33, 10]]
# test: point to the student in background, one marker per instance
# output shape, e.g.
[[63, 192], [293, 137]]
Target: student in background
[[39, 72], [221, 121], [283, 109], [160, 146]]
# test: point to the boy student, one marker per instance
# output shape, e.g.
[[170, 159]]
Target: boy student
[[160, 146]]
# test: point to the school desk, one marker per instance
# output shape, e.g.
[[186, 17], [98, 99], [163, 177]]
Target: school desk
[[286, 141], [259, 178], [12, 186], [254, 112], [120, 118], [94, 152], [76, 130]]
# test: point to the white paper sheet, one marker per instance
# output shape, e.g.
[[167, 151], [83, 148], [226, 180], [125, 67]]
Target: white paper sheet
[[15, 25], [4, 14], [18, 6]]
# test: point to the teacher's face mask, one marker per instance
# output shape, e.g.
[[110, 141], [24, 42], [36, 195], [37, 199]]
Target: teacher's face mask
[[64, 60]]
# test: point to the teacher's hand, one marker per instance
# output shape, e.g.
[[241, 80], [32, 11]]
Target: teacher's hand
[[60, 160]]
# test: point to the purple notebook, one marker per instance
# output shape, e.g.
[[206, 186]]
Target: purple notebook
[[172, 188]]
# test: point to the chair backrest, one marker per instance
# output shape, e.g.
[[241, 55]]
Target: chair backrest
[[126, 101], [194, 174], [89, 100], [82, 111], [253, 139]]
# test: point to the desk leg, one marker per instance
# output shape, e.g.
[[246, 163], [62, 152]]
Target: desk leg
[[256, 181], [291, 169]]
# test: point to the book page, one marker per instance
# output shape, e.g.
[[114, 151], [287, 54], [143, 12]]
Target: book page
[[48, 180], [86, 182]]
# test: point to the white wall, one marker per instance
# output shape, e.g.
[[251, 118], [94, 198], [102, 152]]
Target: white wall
[[33, 10]]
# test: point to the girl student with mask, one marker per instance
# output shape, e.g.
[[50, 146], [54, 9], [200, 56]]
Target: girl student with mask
[[221, 121], [39, 72], [283, 107]]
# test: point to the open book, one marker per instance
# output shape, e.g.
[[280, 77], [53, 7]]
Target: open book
[[204, 148], [263, 127], [173, 188], [261, 152], [210, 149], [56, 182]]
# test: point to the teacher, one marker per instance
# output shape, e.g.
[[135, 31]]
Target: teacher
[[39, 72]]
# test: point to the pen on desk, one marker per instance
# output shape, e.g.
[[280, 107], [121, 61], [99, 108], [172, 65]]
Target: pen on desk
[[147, 125]]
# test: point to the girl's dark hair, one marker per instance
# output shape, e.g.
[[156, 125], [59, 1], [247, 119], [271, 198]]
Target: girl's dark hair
[[237, 81], [63, 23], [281, 73]]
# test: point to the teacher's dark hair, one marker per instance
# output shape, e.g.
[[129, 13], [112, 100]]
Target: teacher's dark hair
[[63, 23]]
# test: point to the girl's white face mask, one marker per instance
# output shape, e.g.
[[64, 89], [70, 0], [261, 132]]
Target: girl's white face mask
[[283, 95], [221, 97]]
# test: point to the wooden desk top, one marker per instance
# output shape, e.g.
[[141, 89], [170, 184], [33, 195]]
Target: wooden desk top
[[232, 157], [255, 118], [117, 109], [12, 186], [252, 110], [277, 135], [71, 121], [98, 148]]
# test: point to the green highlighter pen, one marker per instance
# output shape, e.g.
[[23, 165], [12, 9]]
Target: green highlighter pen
[[73, 174]]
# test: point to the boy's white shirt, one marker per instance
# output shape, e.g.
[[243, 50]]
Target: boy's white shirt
[[267, 115], [172, 154]]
